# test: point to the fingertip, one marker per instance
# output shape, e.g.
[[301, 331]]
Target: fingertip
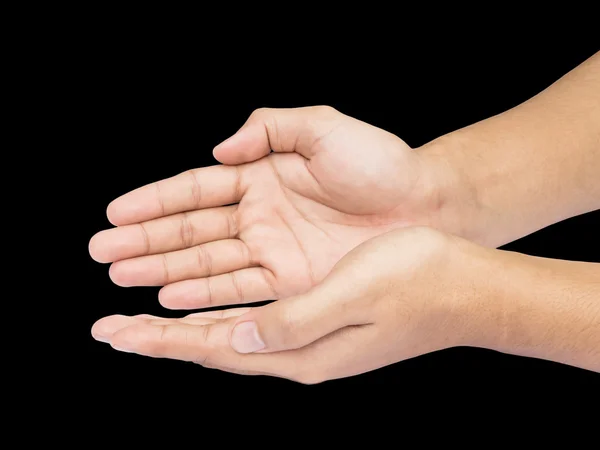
[[247, 145], [161, 298], [96, 249], [220, 151], [226, 156], [112, 212], [180, 296], [118, 276], [98, 336], [135, 206], [122, 210], [135, 338], [104, 329], [217, 153], [169, 301]]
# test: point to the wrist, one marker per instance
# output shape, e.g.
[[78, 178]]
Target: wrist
[[455, 199], [476, 308]]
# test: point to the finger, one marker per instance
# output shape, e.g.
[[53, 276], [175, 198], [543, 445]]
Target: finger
[[164, 234], [221, 314], [241, 286], [333, 356], [104, 328], [297, 321], [175, 340], [183, 320], [206, 345], [204, 260], [280, 130], [207, 187], [146, 316]]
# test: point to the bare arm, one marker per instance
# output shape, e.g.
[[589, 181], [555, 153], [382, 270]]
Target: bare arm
[[527, 168], [399, 295], [546, 308]]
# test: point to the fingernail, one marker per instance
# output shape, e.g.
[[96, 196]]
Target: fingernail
[[245, 338]]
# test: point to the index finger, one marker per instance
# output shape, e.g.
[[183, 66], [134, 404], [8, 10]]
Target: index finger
[[206, 187], [207, 345]]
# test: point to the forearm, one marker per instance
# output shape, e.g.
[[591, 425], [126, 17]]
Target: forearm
[[542, 308], [529, 167]]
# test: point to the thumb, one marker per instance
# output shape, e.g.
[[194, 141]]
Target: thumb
[[295, 321], [280, 130]]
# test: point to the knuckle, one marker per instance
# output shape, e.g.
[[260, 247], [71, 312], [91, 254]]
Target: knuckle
[[232, 225], [204, 260], [146, 238], [209, 292], [154, 348], [186, 230], [166, 272], [160, 198], [272, 127], [238, 287], [238, 183], [196, 191], [205, 357], [163, 334], [205, 335], [158, 347], [244, 253]]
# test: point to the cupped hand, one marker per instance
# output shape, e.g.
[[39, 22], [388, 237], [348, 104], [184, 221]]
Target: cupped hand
[[397, 296], [266, 225]]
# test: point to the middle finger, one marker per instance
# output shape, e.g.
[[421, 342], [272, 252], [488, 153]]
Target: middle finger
[[205, 260]]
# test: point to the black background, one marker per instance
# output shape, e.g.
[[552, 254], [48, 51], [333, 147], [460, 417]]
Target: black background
[[150, 104]]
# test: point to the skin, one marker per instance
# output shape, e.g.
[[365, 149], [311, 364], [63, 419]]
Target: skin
[[381, 304], [299, 210], [272, 225], [533, 165]]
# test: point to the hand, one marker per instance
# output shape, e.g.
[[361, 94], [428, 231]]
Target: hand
[[332, 183], [399, 295]]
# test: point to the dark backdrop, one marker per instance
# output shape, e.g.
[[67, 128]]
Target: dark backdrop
[[151, 104]]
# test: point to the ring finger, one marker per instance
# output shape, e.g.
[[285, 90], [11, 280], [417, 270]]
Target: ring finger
[[165, 234]]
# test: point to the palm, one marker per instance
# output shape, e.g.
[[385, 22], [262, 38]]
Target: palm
[[295, 217]]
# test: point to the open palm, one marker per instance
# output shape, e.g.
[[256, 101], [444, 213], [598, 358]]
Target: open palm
[[266, 225]]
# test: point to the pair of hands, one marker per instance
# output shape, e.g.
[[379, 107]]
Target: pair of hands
[[351, 230]]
